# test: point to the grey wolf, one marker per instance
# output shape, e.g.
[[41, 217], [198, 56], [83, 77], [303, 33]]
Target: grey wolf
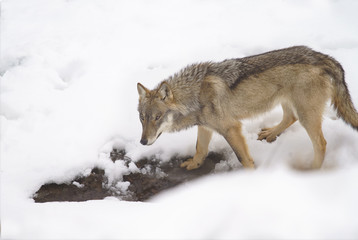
[[215, 96]]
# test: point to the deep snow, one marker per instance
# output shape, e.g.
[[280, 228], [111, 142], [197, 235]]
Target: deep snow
[[69, 70]]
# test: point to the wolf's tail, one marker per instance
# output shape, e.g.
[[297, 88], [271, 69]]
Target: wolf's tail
[[341, 98]]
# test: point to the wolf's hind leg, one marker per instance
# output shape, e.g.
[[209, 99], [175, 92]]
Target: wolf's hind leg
[[202, 148], [313, 125], [288, 119]]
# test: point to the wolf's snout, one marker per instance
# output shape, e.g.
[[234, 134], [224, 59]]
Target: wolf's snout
[[144, 141]]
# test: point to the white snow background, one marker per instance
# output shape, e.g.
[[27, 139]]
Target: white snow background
[[69, 70]]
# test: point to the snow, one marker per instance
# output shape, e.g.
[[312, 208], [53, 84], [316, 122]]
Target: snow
[[69, 70]]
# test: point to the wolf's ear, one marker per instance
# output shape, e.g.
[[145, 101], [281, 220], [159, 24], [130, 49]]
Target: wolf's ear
[[165, 93], [142, 91]]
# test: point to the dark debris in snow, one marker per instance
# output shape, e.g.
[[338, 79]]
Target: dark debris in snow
[[154, 176]]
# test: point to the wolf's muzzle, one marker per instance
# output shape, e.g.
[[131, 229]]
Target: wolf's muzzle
[[144, 141]]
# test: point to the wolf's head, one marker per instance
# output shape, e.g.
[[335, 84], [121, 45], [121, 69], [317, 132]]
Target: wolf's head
[[154, 112]]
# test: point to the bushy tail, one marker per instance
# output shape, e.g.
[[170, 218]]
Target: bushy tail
[[341, 98]]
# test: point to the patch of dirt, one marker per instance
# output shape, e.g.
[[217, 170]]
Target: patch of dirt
[[80, 189], [164, 176], [153, 177]]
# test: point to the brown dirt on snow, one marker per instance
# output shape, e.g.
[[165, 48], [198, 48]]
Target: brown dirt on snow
[[153, 178]]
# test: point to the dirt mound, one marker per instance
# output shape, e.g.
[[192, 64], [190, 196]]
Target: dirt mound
[[153, 177], [80, 189]]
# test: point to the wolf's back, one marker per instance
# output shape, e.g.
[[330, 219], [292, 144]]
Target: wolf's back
[[235, 71]]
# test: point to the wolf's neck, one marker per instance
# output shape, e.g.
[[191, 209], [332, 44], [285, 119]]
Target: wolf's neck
[[184, 121], [186, 86]]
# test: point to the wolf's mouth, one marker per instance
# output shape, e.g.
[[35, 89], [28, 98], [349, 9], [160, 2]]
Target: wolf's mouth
[[159, 135]]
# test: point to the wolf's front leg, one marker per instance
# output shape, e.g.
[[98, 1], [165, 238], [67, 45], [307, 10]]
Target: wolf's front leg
[[202, 148], [237, 142]]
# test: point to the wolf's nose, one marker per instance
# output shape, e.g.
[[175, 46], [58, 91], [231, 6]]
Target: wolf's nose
[[144, 141]]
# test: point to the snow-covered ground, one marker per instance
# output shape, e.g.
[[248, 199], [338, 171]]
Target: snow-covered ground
[[69, 70]]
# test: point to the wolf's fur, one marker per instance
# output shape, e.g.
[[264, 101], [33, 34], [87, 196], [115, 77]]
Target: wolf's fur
[[216, 96]]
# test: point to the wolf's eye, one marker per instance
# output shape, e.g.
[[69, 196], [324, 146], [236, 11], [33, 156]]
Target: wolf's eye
[[141, 116], [157, 117]]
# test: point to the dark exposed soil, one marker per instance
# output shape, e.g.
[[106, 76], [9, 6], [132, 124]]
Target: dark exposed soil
[[80, 189], [153, 177]]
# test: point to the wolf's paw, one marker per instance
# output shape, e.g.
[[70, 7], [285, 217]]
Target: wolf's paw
[[249, 164], [190, 164], [267, 133]]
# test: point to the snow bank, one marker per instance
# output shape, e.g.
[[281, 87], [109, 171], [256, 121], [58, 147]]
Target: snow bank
[[264, 204], [260, 204], [68, 94]]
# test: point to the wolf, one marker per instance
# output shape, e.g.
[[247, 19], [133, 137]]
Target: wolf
[[216, 96]]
